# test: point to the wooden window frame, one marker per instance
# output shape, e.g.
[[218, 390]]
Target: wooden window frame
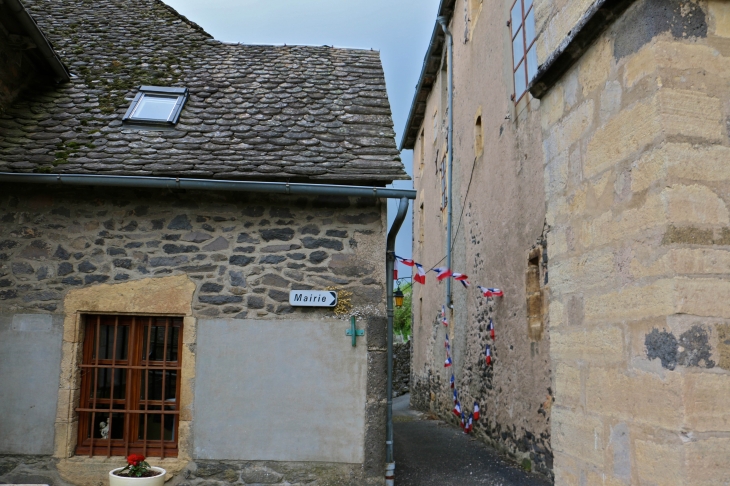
[[136, 402], [514, 32]]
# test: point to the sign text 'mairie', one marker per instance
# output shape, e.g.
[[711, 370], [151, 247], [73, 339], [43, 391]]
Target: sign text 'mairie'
[[313, 298]]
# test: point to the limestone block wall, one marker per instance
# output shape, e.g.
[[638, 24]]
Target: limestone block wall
[[66, 251], [637, 188]]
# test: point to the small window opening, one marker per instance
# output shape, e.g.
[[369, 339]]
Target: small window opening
[[130, 386], [478, 137], [524, 50], [535, 300], [156, 105]]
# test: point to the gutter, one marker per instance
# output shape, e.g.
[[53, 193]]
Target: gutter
[[61, 75], [207, 185], [449, 148], [389, 264]]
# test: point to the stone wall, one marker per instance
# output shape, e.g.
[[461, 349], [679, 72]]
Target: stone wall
[[636, 180], [401, 368], [244, 252], [70, 250], [498, 218]]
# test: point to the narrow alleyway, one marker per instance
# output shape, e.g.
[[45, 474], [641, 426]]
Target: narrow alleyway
[[431, 452]]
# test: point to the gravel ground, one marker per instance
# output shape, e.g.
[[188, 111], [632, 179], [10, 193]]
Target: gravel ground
[[432, 452]]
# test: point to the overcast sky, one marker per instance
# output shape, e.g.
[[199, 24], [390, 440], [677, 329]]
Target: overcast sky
[[399, 29]]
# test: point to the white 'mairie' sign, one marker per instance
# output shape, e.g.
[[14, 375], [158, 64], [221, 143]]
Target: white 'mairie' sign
[[313, 298]]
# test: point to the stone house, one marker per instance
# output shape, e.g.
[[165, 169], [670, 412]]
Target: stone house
[[589, 181], [161, 193]]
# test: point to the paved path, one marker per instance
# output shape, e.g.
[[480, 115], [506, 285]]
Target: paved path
[[432, 452]]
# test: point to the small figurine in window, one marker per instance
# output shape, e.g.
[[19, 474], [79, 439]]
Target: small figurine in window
[[104, 430]]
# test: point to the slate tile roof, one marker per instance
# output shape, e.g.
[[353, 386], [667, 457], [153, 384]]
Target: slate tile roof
[[255, 112]]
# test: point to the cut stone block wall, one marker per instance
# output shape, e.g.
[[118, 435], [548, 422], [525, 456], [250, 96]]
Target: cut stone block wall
[[636, 149]]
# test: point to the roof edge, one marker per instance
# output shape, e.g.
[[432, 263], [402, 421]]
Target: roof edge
[[408, 140], [590, 26], [60, 73], [192, 24]]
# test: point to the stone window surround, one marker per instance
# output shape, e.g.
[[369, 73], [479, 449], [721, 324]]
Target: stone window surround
[[168, 296]]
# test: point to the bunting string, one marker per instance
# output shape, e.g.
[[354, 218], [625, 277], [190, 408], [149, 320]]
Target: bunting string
[[442, 273]]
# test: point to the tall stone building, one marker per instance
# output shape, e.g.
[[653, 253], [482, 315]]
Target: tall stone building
[[161, 193], [590, 183]]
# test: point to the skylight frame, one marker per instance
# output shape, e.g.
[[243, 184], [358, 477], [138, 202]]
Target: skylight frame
[[166, 91]]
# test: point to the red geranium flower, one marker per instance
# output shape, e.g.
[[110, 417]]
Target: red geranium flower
[[135, 459]]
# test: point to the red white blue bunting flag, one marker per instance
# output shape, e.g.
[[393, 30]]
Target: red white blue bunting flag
[[461, 278], [405, 261], [442, 273], [490, 328], [452, 381], [447, 345], [488, 355], [457, 409], [469, 424], [487, 292], [463, 423], [443, 317], [476, 411], [456, 397], [420, 277], [448, 361]]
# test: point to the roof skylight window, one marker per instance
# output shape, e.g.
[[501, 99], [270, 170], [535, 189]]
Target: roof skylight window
[[156, 105]]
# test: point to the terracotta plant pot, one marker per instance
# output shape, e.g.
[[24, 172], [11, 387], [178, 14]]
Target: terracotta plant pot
[[158, 480]]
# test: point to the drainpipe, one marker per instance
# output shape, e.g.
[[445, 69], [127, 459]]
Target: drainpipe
[[449, 148], [389, 264]]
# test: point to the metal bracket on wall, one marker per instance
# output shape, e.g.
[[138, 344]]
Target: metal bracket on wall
[[354, 331]]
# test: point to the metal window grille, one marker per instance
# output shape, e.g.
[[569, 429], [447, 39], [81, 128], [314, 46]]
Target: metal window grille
[[130, 385], [524, 51]]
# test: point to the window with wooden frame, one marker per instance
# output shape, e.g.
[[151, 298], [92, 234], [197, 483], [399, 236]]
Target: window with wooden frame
[[130, 385], [524, 53]]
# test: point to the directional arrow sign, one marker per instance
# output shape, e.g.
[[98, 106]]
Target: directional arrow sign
[[313, 298]]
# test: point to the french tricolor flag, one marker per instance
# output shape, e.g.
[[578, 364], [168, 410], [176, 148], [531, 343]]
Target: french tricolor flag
[[486, 292], [451, 381], [463, 423], [445, 322], [490, 328], [395, 272], [420, 277], [457, 409], [446, 342], [443, 312], [488, 357], [405, 261], [456, 397], [461, 278], [442, 273], [469, 424], [476, 411], [448, 362]]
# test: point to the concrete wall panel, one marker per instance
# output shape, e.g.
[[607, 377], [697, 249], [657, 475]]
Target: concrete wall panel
[[30, 353], [287, 390]]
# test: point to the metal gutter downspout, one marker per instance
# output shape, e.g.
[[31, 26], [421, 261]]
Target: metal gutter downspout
[[449, 148], [389, 264]]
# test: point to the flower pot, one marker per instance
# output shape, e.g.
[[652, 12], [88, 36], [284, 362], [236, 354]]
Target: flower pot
[[158, 480]]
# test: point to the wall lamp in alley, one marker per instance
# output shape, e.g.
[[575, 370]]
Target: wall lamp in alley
[[398, 297]]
